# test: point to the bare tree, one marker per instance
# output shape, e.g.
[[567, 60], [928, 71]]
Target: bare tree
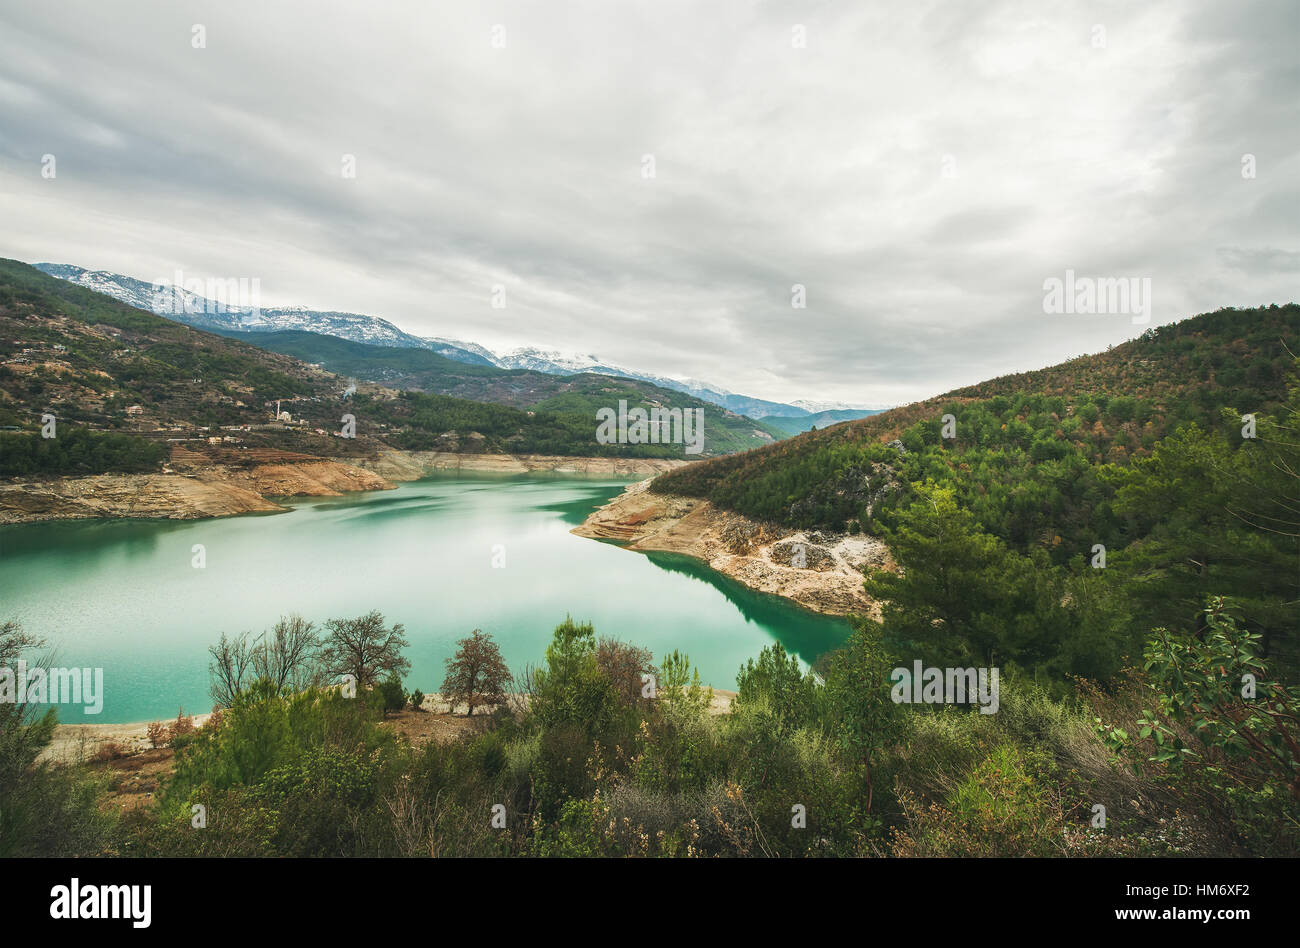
[[523, 689], [364, 648], [624, 664], [232, 661], [286, 655], [476, 674]]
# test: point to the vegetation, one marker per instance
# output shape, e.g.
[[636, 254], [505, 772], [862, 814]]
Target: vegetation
[[1049, 521], [120, 381], [45, 809], [804, 764], [1141, 502], [476, 674], [570, 401], [363, 649], [77, 451]]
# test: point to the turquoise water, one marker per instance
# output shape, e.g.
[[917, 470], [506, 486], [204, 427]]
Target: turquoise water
[[123, 596]]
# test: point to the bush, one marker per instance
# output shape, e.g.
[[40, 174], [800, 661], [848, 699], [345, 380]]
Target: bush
[[394, 698]]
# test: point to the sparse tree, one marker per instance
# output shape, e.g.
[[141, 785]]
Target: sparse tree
[[286, 655], [624, 664], [364, 648], [230, 668], [476, 674]]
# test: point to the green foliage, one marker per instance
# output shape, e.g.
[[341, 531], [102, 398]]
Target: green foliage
[[78, 451], [46, 809], [859, 711], [390, 689], [1218, 721], [777, 682], [570, 689]]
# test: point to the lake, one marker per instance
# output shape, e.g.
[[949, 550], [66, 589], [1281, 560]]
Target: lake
[[443, 556]]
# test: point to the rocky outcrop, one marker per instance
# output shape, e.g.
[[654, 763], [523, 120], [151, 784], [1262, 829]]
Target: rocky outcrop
[[310, 478], [820, 571], [194, 486], [150, 496], [411, 465], [220, 482]]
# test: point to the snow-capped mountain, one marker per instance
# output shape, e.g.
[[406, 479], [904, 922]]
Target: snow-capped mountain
[[814, 408], [438, 344], [242, 314], [554, 363]]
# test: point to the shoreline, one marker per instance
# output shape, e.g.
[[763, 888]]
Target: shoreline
[[78, 742], [817, 570], [197, 489]]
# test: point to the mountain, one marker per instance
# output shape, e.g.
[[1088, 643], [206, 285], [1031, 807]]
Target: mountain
[[192, 309], [818, 407], [1057, 424], [424, 371], [127, 382], [1049, 521], [801, 423], [202, 312]]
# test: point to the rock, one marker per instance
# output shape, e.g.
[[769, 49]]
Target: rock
[[802, 554], [756, 554]]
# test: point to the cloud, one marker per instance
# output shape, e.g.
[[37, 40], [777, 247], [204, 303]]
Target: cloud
[[920, 170]]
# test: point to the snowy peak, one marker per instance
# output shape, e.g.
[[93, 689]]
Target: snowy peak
[[245, 315]]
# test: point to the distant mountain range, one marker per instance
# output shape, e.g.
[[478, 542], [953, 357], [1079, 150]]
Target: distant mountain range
[[821, 419], [113, 368], [205, 313]]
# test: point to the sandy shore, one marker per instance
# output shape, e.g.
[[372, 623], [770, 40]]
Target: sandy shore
[[79, 742]]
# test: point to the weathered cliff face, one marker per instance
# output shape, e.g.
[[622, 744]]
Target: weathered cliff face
[[151, 496], [315, 478], [411, 465], [199, 487], [221, 481], [820, 571]]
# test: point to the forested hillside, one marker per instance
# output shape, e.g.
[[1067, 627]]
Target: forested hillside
[[120, 381], [1074, 508], [582, 394]]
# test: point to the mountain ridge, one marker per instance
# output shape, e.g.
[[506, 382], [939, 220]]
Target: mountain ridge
[[205, 313]]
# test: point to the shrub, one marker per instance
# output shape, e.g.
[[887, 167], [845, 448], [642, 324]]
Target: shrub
[[394, 698], [182, 727], [109, 750]]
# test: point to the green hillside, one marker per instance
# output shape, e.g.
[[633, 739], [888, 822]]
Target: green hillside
[[582, 395], [1139, 450], [121, 381]]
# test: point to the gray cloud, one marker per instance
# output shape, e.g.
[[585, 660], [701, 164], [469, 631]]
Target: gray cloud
[[822, 166]]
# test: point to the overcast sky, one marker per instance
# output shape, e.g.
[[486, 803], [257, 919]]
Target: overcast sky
[[920, 168]]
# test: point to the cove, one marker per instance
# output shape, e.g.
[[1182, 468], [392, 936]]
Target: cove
[[443, 556]]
